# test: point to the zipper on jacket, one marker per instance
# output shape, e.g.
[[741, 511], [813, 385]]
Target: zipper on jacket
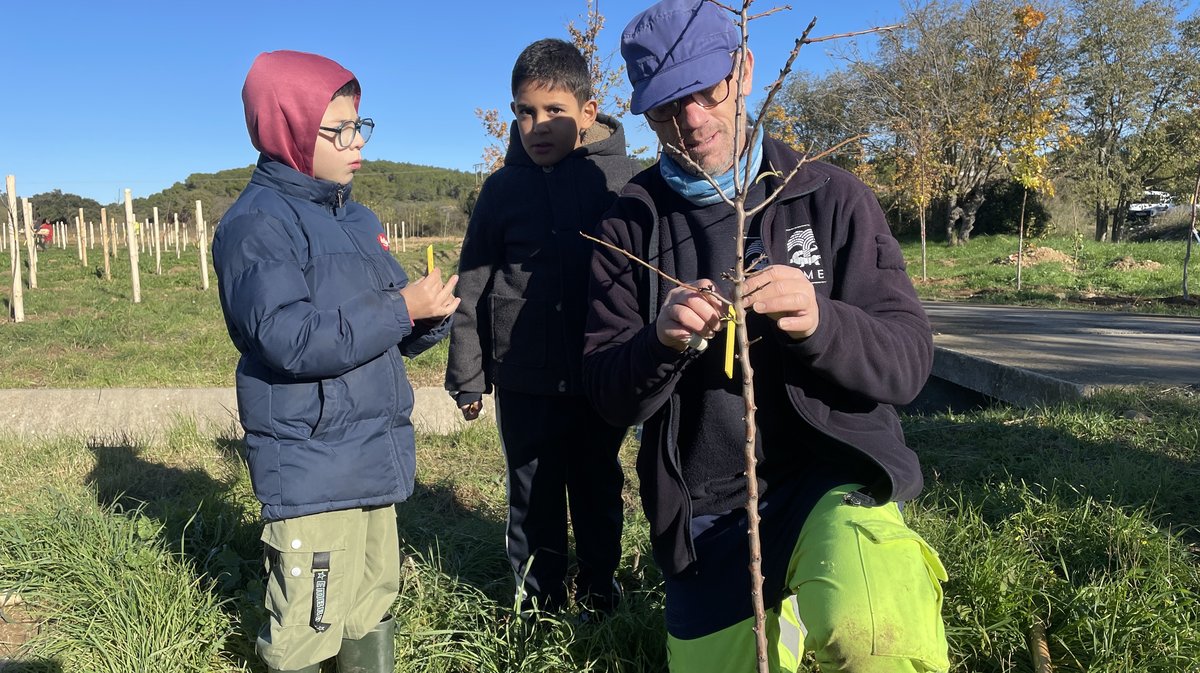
[[341, 193]]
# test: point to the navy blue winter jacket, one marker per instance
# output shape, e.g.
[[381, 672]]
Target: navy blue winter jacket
[[310, 296]]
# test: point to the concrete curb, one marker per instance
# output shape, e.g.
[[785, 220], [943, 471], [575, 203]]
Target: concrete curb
[[101, 414], [1006, 383]]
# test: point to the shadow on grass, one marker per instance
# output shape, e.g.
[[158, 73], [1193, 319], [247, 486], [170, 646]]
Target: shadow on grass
[[461, 541], [201, 516], [1105, 451], [34, 666]]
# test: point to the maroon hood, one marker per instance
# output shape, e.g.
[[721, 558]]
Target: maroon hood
[[286, 94]]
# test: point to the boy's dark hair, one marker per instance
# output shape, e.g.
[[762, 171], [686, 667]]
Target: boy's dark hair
[[350, 88], [554, 64]]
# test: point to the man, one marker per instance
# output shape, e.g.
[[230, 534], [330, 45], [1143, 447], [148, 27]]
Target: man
[[838, 336]]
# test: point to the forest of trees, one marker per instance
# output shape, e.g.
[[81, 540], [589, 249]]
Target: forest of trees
[[433, 200], [985, 99]]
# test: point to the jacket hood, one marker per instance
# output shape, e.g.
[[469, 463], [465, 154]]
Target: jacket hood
[[285, 95], [605, 138]]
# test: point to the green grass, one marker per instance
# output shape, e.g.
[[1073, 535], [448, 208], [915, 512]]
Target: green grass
[[1083, 274], [1080, 516], [144, 555]]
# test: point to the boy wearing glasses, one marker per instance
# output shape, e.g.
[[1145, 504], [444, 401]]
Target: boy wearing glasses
[[322, 315], [519, 329], [837, 337]]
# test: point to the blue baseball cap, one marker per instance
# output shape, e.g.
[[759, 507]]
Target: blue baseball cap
[[675, 48]]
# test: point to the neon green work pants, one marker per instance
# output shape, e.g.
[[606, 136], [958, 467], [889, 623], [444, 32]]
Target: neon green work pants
[[863, 594]]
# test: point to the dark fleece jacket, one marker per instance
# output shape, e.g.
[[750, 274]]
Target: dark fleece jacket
[[872, 349], [523, 269]]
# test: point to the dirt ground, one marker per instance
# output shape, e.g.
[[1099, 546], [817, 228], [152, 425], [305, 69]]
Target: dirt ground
[[1130, 264], [1039, 255], [16, 627]]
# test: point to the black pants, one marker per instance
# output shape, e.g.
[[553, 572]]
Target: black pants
[[555, 447]]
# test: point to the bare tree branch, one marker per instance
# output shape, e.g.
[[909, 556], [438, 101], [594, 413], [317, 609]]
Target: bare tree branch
[[796, 169], [679, 283], [855, 33]]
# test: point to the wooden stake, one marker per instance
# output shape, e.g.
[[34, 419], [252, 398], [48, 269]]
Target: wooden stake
[[104, 240], [18, 290], [403, 234], [30, 245], [202, 244], [176, 235], [83, 248], [133, 248], [1039, 649], [157, 246], [91, 232]]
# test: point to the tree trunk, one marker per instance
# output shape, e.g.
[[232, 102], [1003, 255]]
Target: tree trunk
[[1187, 258], [1119, 220], [924, 256], [968, 217], [953, 214], [1101, 223], [1021, 238]]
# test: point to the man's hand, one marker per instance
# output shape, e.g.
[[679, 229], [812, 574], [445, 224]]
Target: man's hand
[[471, 411], [428, 297], [687, 313], [784, 294]]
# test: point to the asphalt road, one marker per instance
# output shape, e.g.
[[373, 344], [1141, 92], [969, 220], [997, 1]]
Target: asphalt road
[[1096, 349]]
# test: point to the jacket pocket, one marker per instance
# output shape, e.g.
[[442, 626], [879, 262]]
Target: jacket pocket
[[328, 391], [519, 328], [306, 569], [296, 409]]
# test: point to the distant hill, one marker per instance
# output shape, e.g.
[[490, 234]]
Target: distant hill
[[431, 199], [395, 191]]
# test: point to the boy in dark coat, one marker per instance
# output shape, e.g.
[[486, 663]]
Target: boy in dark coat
[[519, 328], [322, 315]]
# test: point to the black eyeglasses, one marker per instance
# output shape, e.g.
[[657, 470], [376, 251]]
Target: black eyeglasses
[[344, 133], [706, 98]]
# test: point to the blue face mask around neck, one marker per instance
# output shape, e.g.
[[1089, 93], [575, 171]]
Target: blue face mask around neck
[[699, 190]]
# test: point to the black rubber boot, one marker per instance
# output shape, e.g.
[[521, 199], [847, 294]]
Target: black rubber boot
[[373, 653], [315, 668]]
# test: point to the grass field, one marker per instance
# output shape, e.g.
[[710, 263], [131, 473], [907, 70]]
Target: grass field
[[144, 555], [1060, 272], [81, 331], [135, 554]]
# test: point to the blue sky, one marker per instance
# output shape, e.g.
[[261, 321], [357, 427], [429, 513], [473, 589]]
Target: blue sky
[[104, 96]]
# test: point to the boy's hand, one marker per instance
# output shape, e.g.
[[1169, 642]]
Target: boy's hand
[[687, 313], [471, 411], [428, 297], [784, 294]]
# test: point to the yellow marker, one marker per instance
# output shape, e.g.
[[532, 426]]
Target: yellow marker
[[730, 340], [428, 260]]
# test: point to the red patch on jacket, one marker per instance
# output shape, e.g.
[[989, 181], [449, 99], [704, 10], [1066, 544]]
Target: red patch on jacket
[[383, 242]]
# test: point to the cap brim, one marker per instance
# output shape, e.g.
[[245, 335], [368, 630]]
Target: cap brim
[[685, 78]]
